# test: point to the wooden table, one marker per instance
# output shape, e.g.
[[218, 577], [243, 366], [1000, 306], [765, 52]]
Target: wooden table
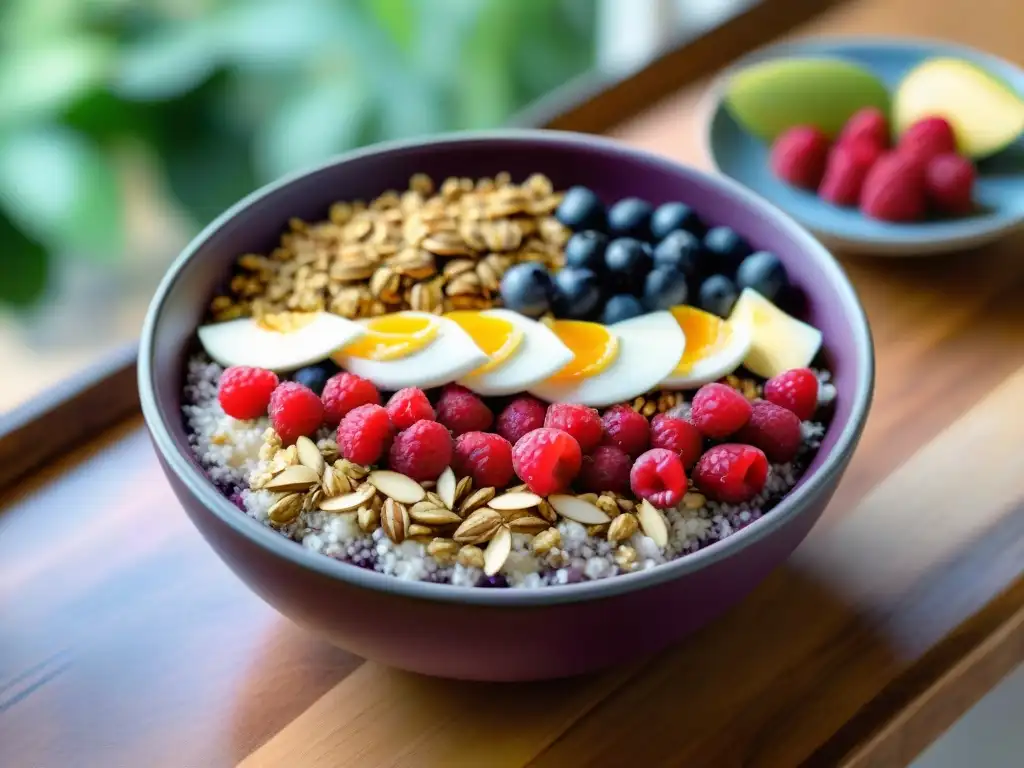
[[125, 642]]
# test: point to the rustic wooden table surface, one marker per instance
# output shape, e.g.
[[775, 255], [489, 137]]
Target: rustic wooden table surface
[[125, 642]]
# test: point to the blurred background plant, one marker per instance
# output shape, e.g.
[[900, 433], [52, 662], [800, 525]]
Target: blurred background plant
[[125, 125]]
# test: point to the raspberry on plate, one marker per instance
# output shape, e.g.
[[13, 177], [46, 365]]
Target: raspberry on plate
[[522, 415], [866, 124], [677, 435], [894, 188], [731, 473], [796, 389], [407, 406], [345, 391], [581, 422], [462, 411], [484, 456], [949, 183], [244, 392], [627, 429], [547, 460], [295, 411], [773, 429], [365, 434], [606, 469], [798, 156], [848, 166], [659, 477], [928, 137], [422, 451], [718, 410]]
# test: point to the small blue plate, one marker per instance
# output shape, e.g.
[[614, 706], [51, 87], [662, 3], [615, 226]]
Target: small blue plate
[[999, 190]]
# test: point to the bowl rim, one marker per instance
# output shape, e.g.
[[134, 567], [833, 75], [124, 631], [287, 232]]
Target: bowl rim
[[903, 239], [215, 503]]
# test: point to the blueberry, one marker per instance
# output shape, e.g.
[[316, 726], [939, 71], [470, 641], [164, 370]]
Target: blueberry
[[526, 288], [627, 255], [315, 376], [577, 293], [763, 272], [586, 250], [621, 307], [725, 249], [581, 209], [669, 217], [665, 287], [630, 217], [717, 295], [681, 250]]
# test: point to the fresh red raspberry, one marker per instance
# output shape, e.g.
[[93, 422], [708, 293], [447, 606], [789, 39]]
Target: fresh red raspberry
[[407, 406], [484, 456], [731, 473], [867, 124], [422, 451], [949, 183], [798, 156], [718, 410], [928, 137], [627, 429], [773, 429], [522, 415], [462, 411], [581, 422], [547, 460], [848, 166], [365, 434], [796, 389], [659, 477], [606, 469], [244, 392], [678, 436], [345, 391], [894, 188], [295, 410]]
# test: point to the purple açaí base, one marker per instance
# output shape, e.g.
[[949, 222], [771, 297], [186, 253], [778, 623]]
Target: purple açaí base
[[484, 633]]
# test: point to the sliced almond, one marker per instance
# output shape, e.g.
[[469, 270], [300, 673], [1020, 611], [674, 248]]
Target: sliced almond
[[446, 487], [417, 531], [349, 501], [476, 500], [435, 500], [462, 489], [528, 524], [294, 478], [577, 509], [497, 551], [545, 510], [285, 509], [652, 523], [433, 515], [309, 454], [396, 486], [478, 527], [394, 519], [516, 500]]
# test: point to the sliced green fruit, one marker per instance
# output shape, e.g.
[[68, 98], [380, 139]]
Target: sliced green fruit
[[986, 114], [768, 98]]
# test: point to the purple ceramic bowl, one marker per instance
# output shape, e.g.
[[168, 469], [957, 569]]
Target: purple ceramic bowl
[[499, 634]]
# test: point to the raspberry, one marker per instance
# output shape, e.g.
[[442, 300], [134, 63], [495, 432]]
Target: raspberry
[[547, 460], [678, 436], [422, 451], [796, 390], [462, 411], [731, 473], [346, 391], [581, 422], [365, 434], [894, 188], [927, 138], [719, 410], [407, 406], [485, 457], [244, 392], [848, 166], [606, 469], [627, 429], [798, 156], [867, 124], [659, 477], [295, 410], [522, 415], [949, 183], [774, 430]]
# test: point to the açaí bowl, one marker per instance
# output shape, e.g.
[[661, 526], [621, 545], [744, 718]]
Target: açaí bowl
[[499, 634]]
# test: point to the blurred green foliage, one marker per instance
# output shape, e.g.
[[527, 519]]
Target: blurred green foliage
[[225, 95]]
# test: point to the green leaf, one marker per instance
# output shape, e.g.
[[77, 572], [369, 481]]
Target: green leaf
[[62, 190], [167, 63], [24, 266]]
